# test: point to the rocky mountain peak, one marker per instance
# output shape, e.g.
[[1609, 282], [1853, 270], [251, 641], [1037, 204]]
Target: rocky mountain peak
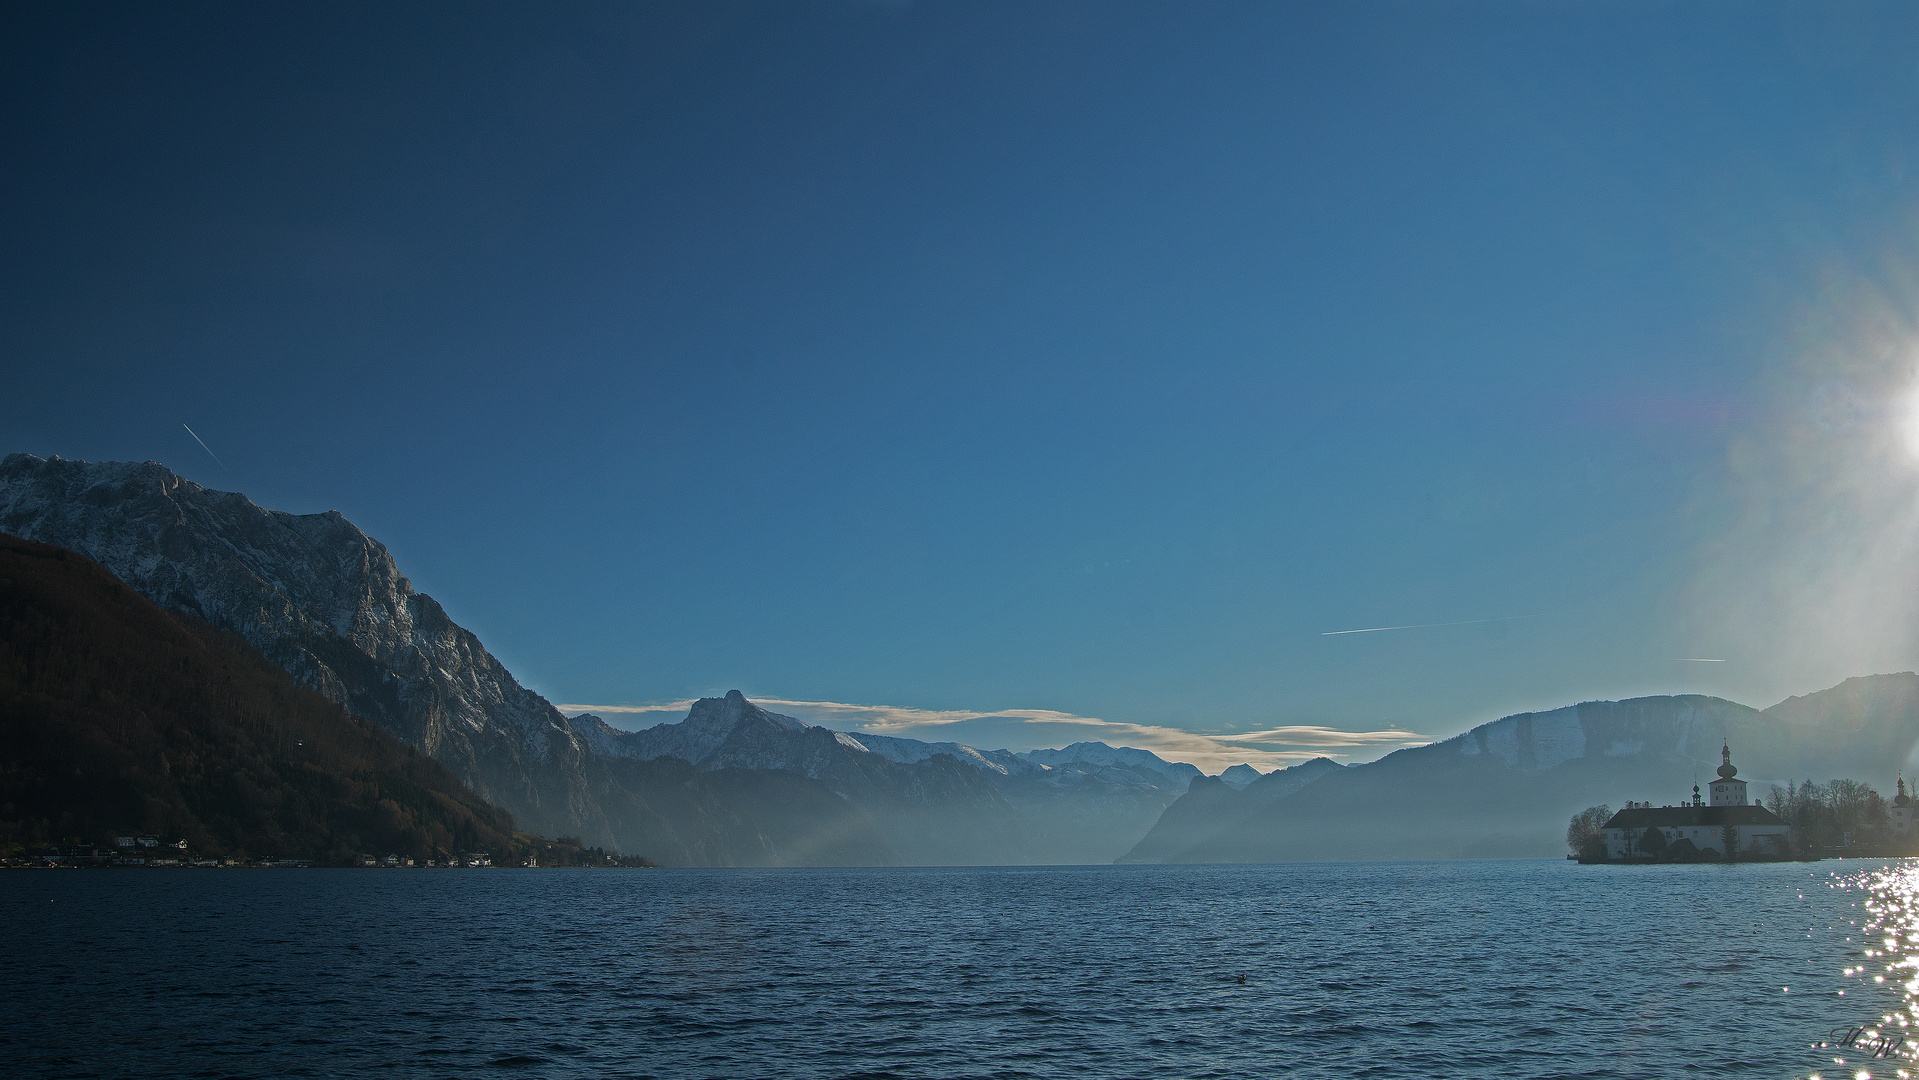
[[729, 712], [715, 729], [1240, 775]]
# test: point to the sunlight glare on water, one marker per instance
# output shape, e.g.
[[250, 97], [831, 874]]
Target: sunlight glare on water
[[1887, 974]]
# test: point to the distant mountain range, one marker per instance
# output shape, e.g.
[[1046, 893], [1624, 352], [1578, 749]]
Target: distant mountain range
[[1507, 788], [945, 802], [732, 784]]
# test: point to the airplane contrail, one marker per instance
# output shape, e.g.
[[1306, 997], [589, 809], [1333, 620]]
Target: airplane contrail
[[1696, 660], [204, 446], [1427, 625]]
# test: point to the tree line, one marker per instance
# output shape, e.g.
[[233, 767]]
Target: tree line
[[1838, 815]]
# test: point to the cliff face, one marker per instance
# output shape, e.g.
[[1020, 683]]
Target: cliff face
[[117, 717], [326, 602]]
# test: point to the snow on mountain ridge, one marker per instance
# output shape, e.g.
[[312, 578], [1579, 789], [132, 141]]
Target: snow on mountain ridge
[[908, 751], [709, 726], [1098, 753], [712, 723], [1685, 724]]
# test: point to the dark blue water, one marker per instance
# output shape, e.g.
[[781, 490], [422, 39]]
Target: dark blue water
[[1536, 968]]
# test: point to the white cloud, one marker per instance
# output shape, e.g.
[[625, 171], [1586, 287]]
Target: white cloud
[[1306, 735], [1033, 729]]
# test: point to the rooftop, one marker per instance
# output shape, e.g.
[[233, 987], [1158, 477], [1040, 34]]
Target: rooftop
[[1668, 816]]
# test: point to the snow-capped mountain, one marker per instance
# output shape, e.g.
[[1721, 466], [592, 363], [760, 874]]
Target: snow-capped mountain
[[733, 732], [906, 751], [1097, 755], [717, 733], [1089, 802]]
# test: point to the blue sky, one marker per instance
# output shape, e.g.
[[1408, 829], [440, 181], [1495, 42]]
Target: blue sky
[[1088, 359]]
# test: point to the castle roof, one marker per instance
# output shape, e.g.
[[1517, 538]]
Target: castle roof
[[1667, 817]]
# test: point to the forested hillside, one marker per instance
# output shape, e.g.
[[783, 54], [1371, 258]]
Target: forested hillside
[[119, 718]]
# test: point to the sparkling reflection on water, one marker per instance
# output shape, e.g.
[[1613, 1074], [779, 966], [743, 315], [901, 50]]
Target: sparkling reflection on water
[[1527, 968], [1883, 970]]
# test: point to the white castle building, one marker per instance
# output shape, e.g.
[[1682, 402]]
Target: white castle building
[[1729, 823], [1899, 814]]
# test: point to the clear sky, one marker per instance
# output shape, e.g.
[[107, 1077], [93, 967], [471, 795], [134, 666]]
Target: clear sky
[[1091, 359]]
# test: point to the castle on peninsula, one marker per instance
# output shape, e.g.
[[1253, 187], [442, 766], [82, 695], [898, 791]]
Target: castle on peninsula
[[1729, 826]]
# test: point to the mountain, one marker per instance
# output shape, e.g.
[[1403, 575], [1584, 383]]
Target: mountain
[[731, 785], [934, 809], [326, 603], [1508, 787], [1214, 805], [118, 718], [1098, 755], [1239, 776], [936, 802], [1861, 727]]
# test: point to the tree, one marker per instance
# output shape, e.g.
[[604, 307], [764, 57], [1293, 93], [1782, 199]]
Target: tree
[[1827, 816], [1653, 842], [1583, 835]]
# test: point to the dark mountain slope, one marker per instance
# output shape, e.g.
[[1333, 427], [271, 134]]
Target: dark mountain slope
[[327, 603], [1862, 727], [117, 717], [1212, 808]]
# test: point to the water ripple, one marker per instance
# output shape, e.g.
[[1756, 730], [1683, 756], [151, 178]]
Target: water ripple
[[1524, 969]]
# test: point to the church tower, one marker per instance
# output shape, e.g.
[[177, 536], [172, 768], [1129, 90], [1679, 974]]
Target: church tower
[[1727, 791], [1901, 810]]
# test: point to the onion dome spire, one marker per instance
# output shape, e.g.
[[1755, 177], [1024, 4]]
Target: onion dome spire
[[1726, 771], [1902, 799]]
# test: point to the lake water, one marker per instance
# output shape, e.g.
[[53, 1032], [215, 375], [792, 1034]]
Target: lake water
[[1526, 968]]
